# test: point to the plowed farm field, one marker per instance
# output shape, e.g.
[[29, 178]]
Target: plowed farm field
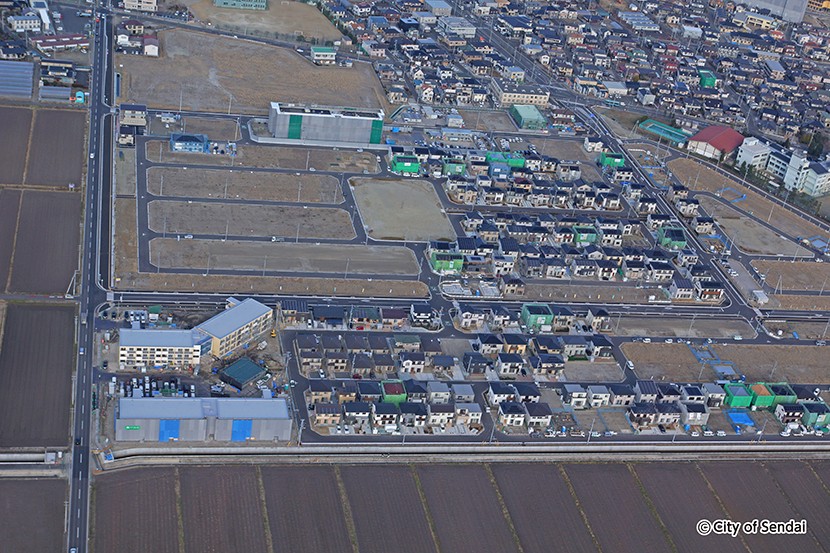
[[32, 513], [56, 153]]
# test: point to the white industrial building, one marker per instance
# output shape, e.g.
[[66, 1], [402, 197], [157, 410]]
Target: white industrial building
[[171, 348], [325, 124], [792, 168], [457, 26]]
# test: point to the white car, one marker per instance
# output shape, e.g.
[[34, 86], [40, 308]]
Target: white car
[[721, 433], [694, 434], [92, 155]]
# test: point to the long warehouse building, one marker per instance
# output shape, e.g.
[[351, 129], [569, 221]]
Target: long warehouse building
[[325, 124]]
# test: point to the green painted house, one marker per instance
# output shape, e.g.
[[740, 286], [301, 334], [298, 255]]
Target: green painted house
[[405, 164], [453, 167], [816, 414], [761, 396], [707, 79], [511, 160], [737, 395], [536, 315], [528, 117], [393, 391], [781, 393], [446, 263], [611, 160], [672, 238], [584, 234]]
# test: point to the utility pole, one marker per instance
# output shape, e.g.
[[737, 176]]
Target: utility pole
[[264, 264], [346, 274], [690, 324], [773, 370]]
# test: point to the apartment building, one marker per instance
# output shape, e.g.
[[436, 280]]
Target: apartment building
[[162, 348], [141, 5], [237, 325], [508, 92]]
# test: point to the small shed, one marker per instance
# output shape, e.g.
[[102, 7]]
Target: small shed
[[241, 373]]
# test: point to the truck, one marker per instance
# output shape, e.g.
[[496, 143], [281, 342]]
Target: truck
[[84, 13]]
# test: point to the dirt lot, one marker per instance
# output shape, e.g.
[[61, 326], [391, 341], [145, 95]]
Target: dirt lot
[[269, 256], [702, 327], [782, 219], [488, 120], [250, 220], [24, 360], [46, 253], [788, 301], [215, 129], [537, 530], [465, 509], [126, 243], [676, 490], [286, 18], [9, 207], [121, 525], [805, 492], [125, 172], [217, 69], [14, 141], [56, 152], [221, 509], [671, 362], [794, 276], [809, 330], [377, 517], [278, 157], [314, 524], [580, 291], [401, 209], [598, 371], [211, 183], [751, 237], [33, 513], [633, 528], [646, 155]]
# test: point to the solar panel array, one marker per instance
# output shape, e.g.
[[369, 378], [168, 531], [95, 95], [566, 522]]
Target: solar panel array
[[16, 78]]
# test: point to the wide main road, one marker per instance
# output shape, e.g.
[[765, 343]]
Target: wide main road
[[95, 233]]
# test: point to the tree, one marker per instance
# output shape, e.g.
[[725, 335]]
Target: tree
[[743, 168]]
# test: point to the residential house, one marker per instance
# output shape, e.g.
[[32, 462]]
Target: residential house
[[598, 396], [511, 413], [416, 391], [646, 391], [509, 364], [621, 395], [642, 415], [574, 347], [357, 412], [475, 363], [693, 413], [575, 395], [412, 362], [787, 413], [527, 392], [438, 392], [468, 413], [499, 392], [667, 413], [320, 391], [414, 414], [538, 415], [327, 414], [384, 414]]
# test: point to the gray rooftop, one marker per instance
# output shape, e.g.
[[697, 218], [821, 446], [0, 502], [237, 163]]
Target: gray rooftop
[[198, 408], [234, 318], [157, 338]]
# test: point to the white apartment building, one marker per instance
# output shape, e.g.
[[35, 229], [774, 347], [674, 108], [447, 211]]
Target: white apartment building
[[161, 348], [754, 153], [26, 22], [793, 168], [141, 5]]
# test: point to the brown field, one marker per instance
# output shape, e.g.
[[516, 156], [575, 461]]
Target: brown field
[[221, 509], [679, 326], [783, 219], [126, 242], [465, 509], [312, 520], [749, 235], [278, 157], [218, 69], [487, 120], [796, 364], [57, 148], [215, 129], [250, 220], [211, 183], [378, 517], [801, 302], [284, 18], [679, 494], [805, 492], [581, 291], [32, 513], [673, 362], [536, 528], [46, 253], [734, 483], [124, 525], [276, 256], [14, 140], [125, 172], [25, 363], [394, 209], [616, 528], [598, 371], [158, 151], [9, 207], [794, 276]]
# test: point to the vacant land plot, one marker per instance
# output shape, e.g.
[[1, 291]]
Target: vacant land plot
[[805, 492], [56, 153], [800, 302], [783, 219], [598, 371], [538, 530], [250, 220], [158, 151], [797, 364], [401, 210], [32, 512], [674, 362], [313, 520], [748, 235], [633, 528], [209, 70], [48, 235], [215, 129], [676, 490], [125, 172], [285, 18], [794, 276], [221, 509], [734, 482], [123, 525], [277, 157], [487, 120], [23, 359], [465, 509], [14, 140], [615, 419], [284, 257], [9, 207], [579, 291], [682, 327], [377, 517], [212, 183], [126, 242]]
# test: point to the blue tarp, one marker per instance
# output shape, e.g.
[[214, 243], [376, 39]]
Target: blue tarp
[[241, 431], [168, 429]]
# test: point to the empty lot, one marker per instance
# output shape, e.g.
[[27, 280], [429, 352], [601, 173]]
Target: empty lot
[[208, 71], [394, 209], [38, 352], [282, 17], [46, 251], [56, 153], [32, 512], [14, 140], [794, 276], [284, 257], [250, 220], [213, 183]]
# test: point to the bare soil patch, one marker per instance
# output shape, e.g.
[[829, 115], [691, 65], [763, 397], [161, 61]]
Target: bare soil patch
[[701, 327], [581, 291], [57, 152], [271, 256], [209, 71], [125, 172], [14, 140], [214, 183], [126, 241], [215, 129], [598, 371], [32, 511], [805, 492], [794, 276], [9, 207], [401, 209], [796, 364], [672, 362], [487, 120], [801, 302], [285, 18], [250, 220], [158, 151], [278, 157]]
